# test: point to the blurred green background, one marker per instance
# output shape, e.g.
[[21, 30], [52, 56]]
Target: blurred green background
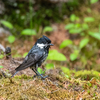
[[72, 25]]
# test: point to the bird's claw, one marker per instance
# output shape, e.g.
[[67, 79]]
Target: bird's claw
[[37, 75], [42, 77]]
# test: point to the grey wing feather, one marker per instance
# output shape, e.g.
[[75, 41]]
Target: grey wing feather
[[30, 60]]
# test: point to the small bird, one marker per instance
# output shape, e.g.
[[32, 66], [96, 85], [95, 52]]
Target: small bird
[[8, 52], [36, 56]]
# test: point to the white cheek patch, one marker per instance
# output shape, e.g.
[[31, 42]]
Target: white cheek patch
[[40, 45]]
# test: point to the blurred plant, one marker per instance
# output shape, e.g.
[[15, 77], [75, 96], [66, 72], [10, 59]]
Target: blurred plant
[[49, 66], [66, 70], [24, 32], [55, 55], [47, 29], [38, 14], [41, 71], [6, 24], [1, 66], [11, 38], [17, 56], [65, 43], [24, 55], [88, 44], [88, 19], [74, 55], [83, 43], [93, 1], [28, 32], [1, 55]]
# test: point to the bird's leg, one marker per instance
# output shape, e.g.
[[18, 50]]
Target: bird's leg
[[33, 68], [43, 77]]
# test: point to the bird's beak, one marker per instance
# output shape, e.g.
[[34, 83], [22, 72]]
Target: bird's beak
[[51, 44]]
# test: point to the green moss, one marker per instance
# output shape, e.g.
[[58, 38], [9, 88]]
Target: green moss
[[53, 88], [20, 89], [87, 75], [83, 74], [23, 76]]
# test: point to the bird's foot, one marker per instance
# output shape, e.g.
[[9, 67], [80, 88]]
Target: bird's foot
[[37, 75], [40, 76], [43, 77]]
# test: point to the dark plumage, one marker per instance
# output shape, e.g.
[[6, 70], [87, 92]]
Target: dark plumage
[[36, 56], [8, 52]]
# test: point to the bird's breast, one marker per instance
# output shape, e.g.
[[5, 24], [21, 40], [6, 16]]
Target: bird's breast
[[44, 56]]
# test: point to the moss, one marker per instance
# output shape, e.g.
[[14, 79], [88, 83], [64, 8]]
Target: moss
[[26, 88], [87, 75], [20, 89], [83, 74], [23, 76]]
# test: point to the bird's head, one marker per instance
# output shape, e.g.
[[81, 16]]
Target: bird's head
[[44, 42]]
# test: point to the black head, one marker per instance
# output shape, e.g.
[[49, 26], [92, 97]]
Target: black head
[[44, 41]]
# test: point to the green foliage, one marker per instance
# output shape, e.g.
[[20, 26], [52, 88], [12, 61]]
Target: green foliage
[[49, 66], [73, 56], [55, 55], [65, 43], [17, 55], [93, 1], [89, 10], [69, 26], [1, 56], [81, 28], [25, 54], [1, 66], [75, 30], [11, 39], [85, 26], [89, 84], [76, 26], [89, 19], [67, 76], [72, 17], [65, 70], [40, 71], [7, 24], [83, 43], [28, 32], [95, 35], [47, 29]]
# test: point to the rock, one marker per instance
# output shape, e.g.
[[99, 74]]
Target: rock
[[4, 32], [2, 49]]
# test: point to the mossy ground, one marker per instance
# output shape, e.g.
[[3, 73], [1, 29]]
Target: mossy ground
[[52, 88]]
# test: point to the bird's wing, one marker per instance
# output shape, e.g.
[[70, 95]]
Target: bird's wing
[[30, 60]]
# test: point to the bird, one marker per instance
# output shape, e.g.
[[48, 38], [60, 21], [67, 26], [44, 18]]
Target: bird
[[36, 56], [8, 52]]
